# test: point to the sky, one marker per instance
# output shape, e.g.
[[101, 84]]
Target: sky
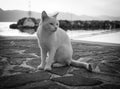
[[78, 7]]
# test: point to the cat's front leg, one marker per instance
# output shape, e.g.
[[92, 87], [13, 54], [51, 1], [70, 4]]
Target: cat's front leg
[[43, 59], [50, 60]]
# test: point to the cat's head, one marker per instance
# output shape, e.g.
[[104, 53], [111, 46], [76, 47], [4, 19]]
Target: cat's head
[[49, 23]]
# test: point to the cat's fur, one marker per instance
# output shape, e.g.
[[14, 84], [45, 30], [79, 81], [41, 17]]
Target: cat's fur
[[55, 45]]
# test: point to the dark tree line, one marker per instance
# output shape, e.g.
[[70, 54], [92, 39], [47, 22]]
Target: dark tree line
[[72, 25], [89, 25]]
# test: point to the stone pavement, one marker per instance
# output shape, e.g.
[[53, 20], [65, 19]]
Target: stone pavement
[[20, 58]]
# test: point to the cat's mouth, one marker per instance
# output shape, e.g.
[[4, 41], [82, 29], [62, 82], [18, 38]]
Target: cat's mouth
[[53, 30]]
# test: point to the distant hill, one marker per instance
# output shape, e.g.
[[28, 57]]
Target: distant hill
[[70, 16], [15, 15]]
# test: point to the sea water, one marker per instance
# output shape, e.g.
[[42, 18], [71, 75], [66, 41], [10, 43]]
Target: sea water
[[95, 36], [6, 31]]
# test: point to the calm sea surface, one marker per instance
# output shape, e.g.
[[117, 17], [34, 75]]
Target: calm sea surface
[[96, 36]]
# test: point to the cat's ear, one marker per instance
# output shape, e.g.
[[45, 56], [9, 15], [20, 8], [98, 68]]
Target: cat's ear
[[44, 15], [55, 16]]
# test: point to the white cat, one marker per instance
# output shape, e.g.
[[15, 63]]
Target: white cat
[[55, 45]]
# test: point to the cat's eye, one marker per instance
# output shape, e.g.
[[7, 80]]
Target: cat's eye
[[57, 24], [51, 24]]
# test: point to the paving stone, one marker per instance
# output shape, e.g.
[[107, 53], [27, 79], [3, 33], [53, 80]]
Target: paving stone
[[27, 55], [33, 50], [16, 61], [107, 68], [112, 61], [21, 69], [60, 71], [106, 78], [106, 58], [22, 79], [2, 66], [9, 54], [108, 86], [77, 80], [47, 84], [34, 62], [1, 72], [16, 55]]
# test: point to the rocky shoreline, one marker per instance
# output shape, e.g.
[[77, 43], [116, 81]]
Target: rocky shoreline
[[19, 59]]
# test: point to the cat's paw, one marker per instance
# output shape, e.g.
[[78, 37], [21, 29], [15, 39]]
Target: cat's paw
[[40, 67], [47, 68]]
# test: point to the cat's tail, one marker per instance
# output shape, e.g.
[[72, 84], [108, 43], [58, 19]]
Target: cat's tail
[[81, 64]]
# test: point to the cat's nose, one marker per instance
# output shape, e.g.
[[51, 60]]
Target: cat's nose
[[54, 29]]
